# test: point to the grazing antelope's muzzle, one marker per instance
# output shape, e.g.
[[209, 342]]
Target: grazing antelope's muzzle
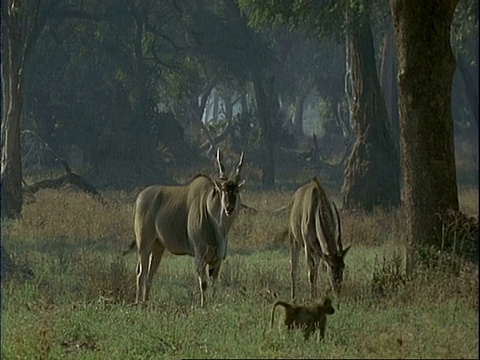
[[335, 274], [229, 210]]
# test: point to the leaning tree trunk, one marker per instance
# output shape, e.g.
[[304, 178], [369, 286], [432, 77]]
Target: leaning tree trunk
[[426, 66], [11, 173], [13, 76], [372, 174]]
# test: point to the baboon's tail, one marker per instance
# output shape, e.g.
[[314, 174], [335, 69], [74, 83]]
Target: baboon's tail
[[132, 246]]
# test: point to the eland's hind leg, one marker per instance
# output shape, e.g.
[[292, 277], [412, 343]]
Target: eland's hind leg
[[142, 270], [144, 246], [294, 252], [155, 257]]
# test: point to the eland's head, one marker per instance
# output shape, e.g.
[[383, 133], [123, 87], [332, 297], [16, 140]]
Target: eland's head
[[229, 188], [333, 251]]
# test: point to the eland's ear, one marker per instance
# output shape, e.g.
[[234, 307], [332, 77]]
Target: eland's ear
[[240, 184], [344, 252], [238, 172], [216, 187]]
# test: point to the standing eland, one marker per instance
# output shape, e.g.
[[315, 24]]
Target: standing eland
[[192, 219], [313, 226]]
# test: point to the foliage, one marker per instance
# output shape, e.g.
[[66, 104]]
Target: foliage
[[464, 27], [323, 17]]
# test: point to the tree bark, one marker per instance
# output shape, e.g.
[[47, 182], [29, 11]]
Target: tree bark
[[388, 71], [13, 73], [298, 118], [425, 74], [264, 113], [372, 173]]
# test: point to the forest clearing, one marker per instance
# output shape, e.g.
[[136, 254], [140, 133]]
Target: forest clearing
[[115, 118], [79, 303]]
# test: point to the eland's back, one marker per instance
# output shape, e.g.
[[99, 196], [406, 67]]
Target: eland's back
[[161, 213]]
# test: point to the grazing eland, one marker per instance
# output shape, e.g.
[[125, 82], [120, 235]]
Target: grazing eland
[[192, 219], [315, 225]]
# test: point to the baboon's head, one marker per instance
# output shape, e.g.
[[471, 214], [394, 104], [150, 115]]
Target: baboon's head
[[327, 306]]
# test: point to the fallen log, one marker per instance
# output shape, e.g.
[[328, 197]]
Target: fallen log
[[68, 178]]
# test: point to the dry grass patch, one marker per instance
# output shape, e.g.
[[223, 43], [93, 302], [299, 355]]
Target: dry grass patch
[[75, 217], [468, 198]]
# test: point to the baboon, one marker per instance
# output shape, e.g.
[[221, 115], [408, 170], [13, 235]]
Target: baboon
[[308, 318]]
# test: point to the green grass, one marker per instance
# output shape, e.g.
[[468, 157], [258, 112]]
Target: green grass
[[78, 305]]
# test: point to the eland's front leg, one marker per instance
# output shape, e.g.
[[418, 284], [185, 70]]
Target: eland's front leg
[[312, 263], [202, 280], [142, 270], [213, 272], [156, 256]]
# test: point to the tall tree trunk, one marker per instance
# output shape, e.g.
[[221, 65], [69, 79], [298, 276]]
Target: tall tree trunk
[[195, 109], [17, 40], [144, 143], [372, 173], [388, 71], [11, 172], [471, 86], [264, 113], [298, 117], [244, 119], [425, 74], [227, 99], [216, 100]]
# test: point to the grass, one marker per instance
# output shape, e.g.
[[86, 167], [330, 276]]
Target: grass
[[78, 305]]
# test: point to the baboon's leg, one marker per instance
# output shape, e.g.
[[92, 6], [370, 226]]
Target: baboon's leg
[[308, 331], [202, 279], [312, 263], [322, 326], [294, 252], [155, 257]]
